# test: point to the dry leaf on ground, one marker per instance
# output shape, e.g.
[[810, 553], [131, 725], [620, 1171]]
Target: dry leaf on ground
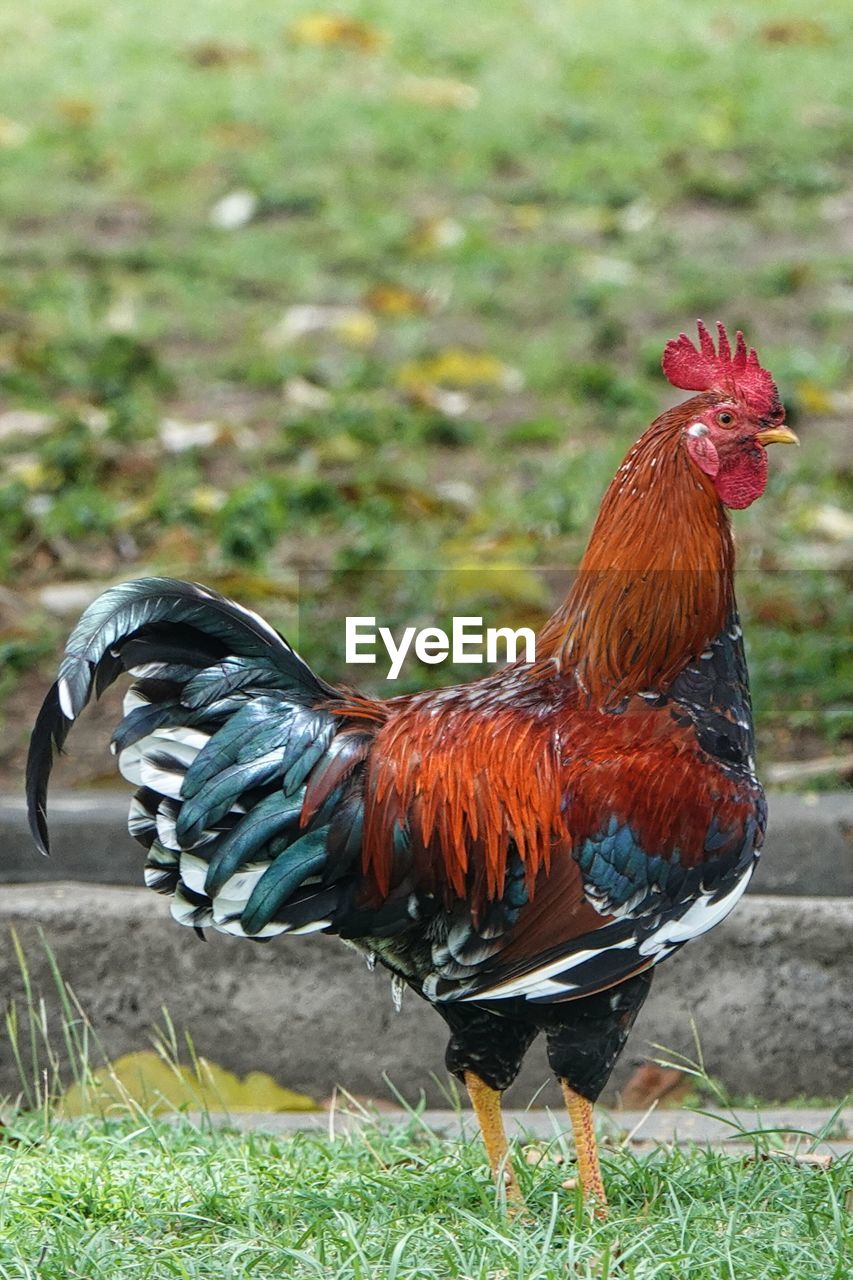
[[147, 1079], [813, 1159], [395, 300], [353, 325], [12, 132], [300, 393], [336, 29], [215, 53], [24, 422], [651, 1083], [437, 232], [458, 367], [76, 110], [177, 436], [234, 210], [795, 31]]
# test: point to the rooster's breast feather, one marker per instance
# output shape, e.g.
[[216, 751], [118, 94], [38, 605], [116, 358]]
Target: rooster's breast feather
[[568, 849]]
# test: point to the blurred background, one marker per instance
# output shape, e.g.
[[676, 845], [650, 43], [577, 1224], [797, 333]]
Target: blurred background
[[356, 310]]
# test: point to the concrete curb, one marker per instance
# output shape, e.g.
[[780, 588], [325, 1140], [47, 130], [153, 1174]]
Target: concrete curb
[[768, 994], [809, 846], [799, 1130]]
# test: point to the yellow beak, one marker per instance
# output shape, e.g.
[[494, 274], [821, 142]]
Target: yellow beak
[[777, 435]]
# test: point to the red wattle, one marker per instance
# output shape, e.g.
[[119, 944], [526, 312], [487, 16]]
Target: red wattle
[[742, 478]]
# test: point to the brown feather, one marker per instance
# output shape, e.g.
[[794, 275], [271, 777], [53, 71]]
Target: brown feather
[[655, 584]]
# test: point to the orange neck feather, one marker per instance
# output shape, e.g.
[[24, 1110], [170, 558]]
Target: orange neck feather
[[655, 583]]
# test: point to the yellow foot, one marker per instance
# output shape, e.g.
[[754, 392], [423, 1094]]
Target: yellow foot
[[586, 1146], [487, 1108]]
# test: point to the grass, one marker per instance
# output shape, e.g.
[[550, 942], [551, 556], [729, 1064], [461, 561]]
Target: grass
[[131, 1193], [517, 203], [144, 1198]]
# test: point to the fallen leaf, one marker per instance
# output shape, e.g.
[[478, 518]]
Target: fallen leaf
[[431, 91], [457, 367], [207, 500], [332, 29], [24, 422], [437, 232], [12, 132], [76, 110], [339, 449], [234, 210], [302, 394], [636, 216], [395, 300], [122, 315], [457, 493], [37, 505], [177, 436], [358, 328], [537, 1155], [160, 1086], [451, 403], [813, 1159], [33, 474], [353, 324], [651, 1083], [526, 217], [95, 418], [215, 53], [795, 31]]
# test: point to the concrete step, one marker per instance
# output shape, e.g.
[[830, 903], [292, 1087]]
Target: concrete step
[[768, 995], [809, 846], [793, 1130]]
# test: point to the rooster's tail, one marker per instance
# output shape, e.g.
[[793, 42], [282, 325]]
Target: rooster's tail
[[221, 729]]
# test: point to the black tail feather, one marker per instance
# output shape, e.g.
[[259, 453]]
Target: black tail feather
[[152, 620], [49, 734]]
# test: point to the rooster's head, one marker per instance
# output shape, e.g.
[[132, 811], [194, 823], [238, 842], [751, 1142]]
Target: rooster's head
[[727, 428]]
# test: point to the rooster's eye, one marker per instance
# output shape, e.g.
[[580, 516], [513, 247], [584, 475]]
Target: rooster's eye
[[725, 419]]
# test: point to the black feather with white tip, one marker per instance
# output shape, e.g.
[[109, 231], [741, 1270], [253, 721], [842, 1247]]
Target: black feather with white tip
[[223, 729]]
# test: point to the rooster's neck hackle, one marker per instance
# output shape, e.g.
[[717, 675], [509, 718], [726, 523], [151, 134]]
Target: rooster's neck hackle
[[655, 583]]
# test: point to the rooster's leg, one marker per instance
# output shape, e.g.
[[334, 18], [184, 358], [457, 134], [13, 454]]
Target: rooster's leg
[[586, 1146], [487, 1108]]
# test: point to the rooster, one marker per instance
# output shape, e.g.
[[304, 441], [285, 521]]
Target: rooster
[[521, 851]]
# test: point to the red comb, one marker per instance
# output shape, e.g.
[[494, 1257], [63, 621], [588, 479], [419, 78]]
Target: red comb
[[707, 369]]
